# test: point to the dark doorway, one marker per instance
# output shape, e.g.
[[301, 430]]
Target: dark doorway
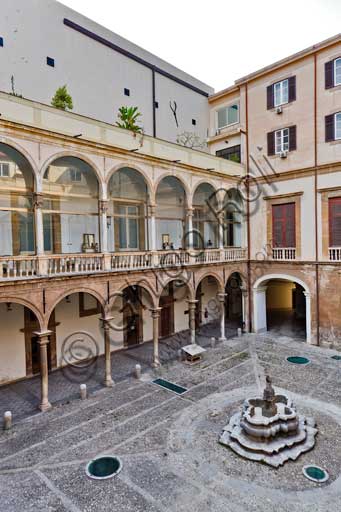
[[166, 324], [286, 308], [32, 345], [132, 316], [198, 312], [234, 300]]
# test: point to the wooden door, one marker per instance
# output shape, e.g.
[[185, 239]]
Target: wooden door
[[132, 317], [166, 324]]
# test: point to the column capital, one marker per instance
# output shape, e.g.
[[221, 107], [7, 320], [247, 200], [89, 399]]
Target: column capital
[[192, 302], [151, 209], [103, 205], [43, 336], [221, 296], [189, 211], [38, 200], [155, 312]]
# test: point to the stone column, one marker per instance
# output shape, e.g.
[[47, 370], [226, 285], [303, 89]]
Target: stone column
[[38, 222], [308, 317], [221, 220], [152, 227], [245, 307], [221, 299], [155, 316], [191, 313], [189, 227], [43, 340], [108, 381], [103, 231]]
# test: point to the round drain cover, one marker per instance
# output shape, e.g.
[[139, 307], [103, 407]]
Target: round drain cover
[[315, 474], [336, 358], [103, 467], [298, 360]]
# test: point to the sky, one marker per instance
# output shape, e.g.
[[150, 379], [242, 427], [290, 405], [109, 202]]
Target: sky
[[217, 41]]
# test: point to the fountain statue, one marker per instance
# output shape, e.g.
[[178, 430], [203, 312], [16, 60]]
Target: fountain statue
[[269, 430]]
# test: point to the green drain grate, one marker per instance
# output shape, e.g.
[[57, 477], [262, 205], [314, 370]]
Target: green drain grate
[[103, 467], [315, 474], [336, 358], [179, 390], [298, 360]]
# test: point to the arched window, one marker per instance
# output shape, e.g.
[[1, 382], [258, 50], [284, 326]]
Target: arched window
[[170, 214], [127, 215], [205, 220], [70, 209], [16, 203]]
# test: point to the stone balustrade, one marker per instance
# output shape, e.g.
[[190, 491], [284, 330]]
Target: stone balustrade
[[335, 253], [284, 253], [22, 267]]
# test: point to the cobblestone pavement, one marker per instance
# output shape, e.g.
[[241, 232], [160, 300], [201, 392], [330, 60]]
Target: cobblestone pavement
[[167, 442]]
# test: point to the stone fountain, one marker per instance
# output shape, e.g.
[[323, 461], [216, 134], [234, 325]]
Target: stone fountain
[[269, 430]]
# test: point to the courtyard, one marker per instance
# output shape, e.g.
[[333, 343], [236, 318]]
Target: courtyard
[[168, 443]]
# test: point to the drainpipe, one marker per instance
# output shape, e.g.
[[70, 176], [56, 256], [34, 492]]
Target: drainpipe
[[316, 216], [248, 208], [153, 97]]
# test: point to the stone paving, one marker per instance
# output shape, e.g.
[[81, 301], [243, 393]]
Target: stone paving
[[168, 443]]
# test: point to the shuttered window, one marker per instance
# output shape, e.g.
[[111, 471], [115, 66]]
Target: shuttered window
[[333, 127], [338, 125], [332, 72], [335, 222], [283, 225], [337, 71], [282, 140], [281, 92]]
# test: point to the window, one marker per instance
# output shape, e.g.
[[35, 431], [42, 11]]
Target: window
[[337, 71], [126, 92], [4, 170], [338, 125], [156, 104], [228, 115], [283, 225], [75, 174], [333, 127], [50, 62], [281, 93], [281, 140], [232, 153], [194, 122], [128, 227], [335, 222], [1, 41]]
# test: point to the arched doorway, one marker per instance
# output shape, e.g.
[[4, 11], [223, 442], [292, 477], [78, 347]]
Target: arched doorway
[[170, 214], [233, 219], [17, 233], [282, 306], [70, 208], [208, 306], [131, 312], [127, 214], [234, 302]]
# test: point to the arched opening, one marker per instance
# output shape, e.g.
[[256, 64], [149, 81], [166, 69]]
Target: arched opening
[[233, 219], [205, 222], [19, 348], [127, 214], [77, 328], [170, 214], [234, 302], [70, 207], [282, 307], [207, 311], [174, 313], [16, 203], [131, 313]]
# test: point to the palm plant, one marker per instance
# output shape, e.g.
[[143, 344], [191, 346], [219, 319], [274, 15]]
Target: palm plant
[[128, 117]]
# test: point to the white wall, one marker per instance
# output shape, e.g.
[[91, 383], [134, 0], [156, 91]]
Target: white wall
[[12, 343], [95, 74]]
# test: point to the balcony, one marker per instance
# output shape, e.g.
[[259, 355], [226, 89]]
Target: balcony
[[284, 253], [334, 253], [26, 267]]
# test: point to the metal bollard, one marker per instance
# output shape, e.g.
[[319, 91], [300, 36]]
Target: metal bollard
[[138, 371], [83, 391], [213, 342], [7, 420], [239, 332]]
